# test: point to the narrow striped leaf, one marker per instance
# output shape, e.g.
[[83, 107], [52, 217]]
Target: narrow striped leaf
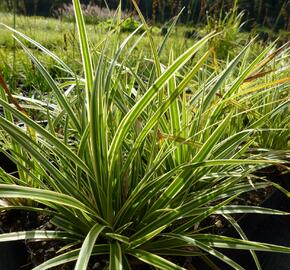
[[14, 191], [154, 260], [36, 235], [220, 241], [85, 51], [87, 247], [116, 256]]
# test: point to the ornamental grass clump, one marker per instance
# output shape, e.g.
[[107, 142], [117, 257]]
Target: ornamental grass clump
[[130, 165]]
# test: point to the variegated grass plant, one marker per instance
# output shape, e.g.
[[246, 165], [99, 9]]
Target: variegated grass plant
[[129, 165]]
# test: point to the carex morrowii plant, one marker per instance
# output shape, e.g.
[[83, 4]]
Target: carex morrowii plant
[[127, 165]]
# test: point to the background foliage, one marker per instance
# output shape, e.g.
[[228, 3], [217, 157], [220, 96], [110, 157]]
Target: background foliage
[[271, 13]]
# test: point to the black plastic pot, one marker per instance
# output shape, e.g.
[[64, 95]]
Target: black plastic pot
[[6, 164], [262, 228], [268, 229], [13, 255]]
